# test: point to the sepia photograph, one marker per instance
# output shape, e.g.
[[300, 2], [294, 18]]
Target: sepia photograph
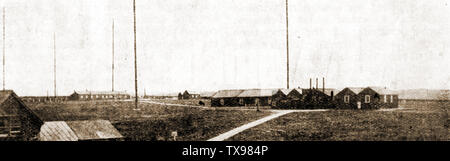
[[225, 70]]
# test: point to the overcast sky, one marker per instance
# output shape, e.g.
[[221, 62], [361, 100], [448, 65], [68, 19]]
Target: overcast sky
[[221, 44]]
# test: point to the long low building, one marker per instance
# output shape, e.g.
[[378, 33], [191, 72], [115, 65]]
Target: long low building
[[99, 95], [39, 99]]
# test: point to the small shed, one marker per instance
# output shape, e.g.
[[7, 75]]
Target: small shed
[[17, 121]]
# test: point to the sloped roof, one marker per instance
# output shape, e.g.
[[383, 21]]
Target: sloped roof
[[257, 93], [101, 92], [228, 93], [192, 92], [78, 130], [356, 90], [329, 90], [94, 129], [383, 90], [298, 90], [207, 94], [57, 131], [286, 91], [5, 94]]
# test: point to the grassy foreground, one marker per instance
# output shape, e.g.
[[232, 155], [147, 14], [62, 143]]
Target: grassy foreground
[[426, 120], [152, 122]]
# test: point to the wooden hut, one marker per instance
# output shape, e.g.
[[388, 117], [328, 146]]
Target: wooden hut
[[17, 121]]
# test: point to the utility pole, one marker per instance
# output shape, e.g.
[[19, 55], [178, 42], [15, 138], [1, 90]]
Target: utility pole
[[287, 43], [135, 58], [4, 48], [54, 61], [112, 75]]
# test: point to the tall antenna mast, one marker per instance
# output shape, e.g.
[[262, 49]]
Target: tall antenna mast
[[54, 61], [287, 44], [4, 48], [112, 75], [135, 57]]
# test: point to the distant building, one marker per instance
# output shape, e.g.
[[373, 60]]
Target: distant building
[[256, 97], [226, 98], [89, 130], [173, 96], [41, 99], [190, 95], [98, 95], [17, 121]]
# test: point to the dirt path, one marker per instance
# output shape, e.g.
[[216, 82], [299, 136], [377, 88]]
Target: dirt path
[[171, 104], [276, 114]]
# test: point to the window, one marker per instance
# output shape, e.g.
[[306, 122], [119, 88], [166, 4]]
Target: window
[[367, 99], [392, 99], [222, 102], [385, 99], [346, 99]]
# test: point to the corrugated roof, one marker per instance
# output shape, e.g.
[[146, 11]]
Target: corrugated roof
[[78, 130], [207, 94], [227, 93], [93, 130], [56, 131], [257, 93], [101, 92]]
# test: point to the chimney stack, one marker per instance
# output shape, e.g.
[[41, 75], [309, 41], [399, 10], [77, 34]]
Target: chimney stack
[[317, 83], [323, 86], [310, 83]]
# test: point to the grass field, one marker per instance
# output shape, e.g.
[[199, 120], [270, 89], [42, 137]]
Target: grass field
[[194, 102], [420, 120], [152, 122]]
